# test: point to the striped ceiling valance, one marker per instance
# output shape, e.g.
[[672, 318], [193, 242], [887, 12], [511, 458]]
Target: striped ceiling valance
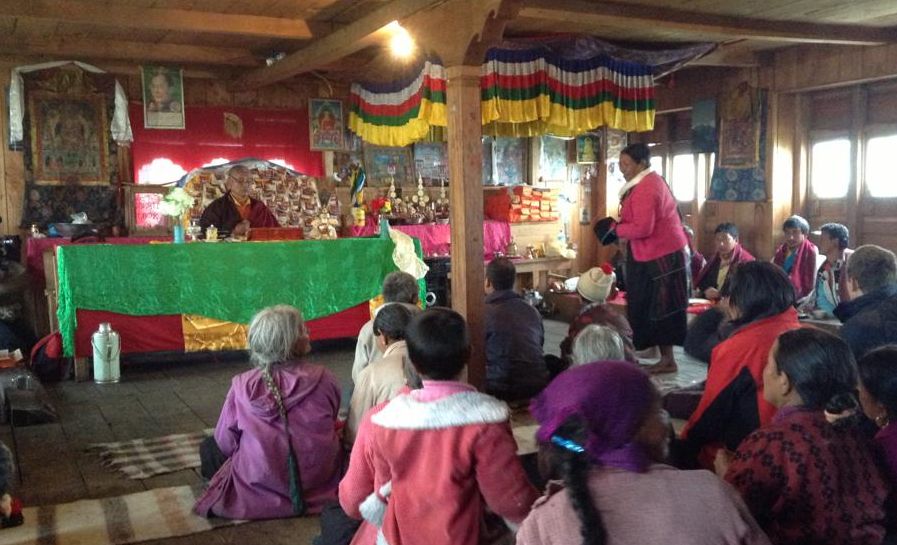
[[560, 86], [402, 112], [527, 92]]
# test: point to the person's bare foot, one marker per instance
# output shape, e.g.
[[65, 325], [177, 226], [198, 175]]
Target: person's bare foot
[[661, 367]]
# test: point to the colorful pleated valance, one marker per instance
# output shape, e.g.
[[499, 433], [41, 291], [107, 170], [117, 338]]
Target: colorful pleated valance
[[561, 86], [402, 112], [531, 92]]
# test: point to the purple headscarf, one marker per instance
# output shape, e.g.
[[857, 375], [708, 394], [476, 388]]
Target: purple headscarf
[[611, 398]]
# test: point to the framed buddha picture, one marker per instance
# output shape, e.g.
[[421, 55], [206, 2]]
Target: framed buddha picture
[[325, 124], [588, 146]]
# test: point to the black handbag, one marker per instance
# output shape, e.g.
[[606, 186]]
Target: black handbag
[[606, 231]]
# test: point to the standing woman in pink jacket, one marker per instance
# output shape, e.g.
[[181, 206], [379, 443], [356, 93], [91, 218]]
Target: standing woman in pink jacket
[[656, 273]]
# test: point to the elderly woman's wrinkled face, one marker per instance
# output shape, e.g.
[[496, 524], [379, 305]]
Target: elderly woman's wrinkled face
[[628, 167], [654, 433], [794, 237]]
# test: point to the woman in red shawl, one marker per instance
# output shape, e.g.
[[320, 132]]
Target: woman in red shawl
[[761, 301]]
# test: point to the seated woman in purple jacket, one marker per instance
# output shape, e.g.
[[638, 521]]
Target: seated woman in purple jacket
[[275, 452], [604, 433]]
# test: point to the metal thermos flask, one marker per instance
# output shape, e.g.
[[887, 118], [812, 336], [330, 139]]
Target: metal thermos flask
[[106, 351]]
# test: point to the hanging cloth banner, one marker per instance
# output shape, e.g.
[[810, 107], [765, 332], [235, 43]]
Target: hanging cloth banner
[[120, 128], [399, 113], [529, 92], [561, 86]]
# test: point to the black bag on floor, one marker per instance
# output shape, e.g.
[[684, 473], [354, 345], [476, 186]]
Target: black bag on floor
[[47, 361]]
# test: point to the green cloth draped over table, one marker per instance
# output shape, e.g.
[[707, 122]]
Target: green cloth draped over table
[[227, 281]]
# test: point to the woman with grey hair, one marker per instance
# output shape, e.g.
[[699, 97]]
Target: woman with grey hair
[[275, 452], [597, 343]]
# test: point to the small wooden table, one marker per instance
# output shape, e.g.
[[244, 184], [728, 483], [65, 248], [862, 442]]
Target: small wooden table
[[539, 268]]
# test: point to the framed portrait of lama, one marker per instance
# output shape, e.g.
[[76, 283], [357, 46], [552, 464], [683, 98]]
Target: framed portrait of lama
[[163, 97]]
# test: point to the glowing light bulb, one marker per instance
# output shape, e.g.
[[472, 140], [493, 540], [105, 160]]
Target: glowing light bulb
[[401, 44]]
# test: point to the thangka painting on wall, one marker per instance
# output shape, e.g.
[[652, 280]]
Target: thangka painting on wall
[[325, 124], [163, 97], [431, 162], [509, 161], [703, 126], [553, 158], [383, 164], [69, 131], [739, 130]]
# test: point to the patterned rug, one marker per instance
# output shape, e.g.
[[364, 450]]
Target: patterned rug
[[154, 514], [143, 458]]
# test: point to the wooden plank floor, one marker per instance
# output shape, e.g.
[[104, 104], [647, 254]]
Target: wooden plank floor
[[157, 399], [153, 399]]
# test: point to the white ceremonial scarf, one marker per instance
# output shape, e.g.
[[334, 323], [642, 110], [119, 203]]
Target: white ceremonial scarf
[[634, 181]]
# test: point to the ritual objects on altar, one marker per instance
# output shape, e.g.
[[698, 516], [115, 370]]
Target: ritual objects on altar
[[291, 196]]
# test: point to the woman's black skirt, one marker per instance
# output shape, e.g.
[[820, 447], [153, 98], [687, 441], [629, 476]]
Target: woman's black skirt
[[656, 299]]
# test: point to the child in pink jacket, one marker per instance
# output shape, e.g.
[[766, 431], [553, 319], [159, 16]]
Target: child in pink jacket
[[428, 465]]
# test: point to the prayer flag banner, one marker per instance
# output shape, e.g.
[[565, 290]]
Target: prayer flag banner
[[529, 92], [562, 87], [401, 112]]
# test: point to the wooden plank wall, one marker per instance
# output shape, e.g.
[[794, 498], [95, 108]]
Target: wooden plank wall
[[754, 219], [848, 90]]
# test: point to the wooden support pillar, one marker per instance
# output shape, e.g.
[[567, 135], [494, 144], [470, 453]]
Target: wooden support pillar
[[460, 32], [465, 156]]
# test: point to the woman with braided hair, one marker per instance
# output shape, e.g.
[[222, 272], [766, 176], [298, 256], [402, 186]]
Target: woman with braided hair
[[275, 452], [604, 435]]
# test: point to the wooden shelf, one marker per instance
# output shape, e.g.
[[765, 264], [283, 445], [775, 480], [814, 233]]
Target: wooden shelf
[[512, 224]]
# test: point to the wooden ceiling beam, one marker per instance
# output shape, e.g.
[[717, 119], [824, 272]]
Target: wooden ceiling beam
[[116, 67], [334, 46], [598, 13], [123, 16], [64, 48]]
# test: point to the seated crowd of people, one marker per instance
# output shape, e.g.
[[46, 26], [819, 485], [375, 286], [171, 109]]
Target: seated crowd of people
[[790, 443]]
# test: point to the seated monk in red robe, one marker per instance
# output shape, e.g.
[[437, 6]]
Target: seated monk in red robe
[[729, 253], [236, 212], [797, 256]]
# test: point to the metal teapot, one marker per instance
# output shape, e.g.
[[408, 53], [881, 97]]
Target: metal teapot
[[511, 250]]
